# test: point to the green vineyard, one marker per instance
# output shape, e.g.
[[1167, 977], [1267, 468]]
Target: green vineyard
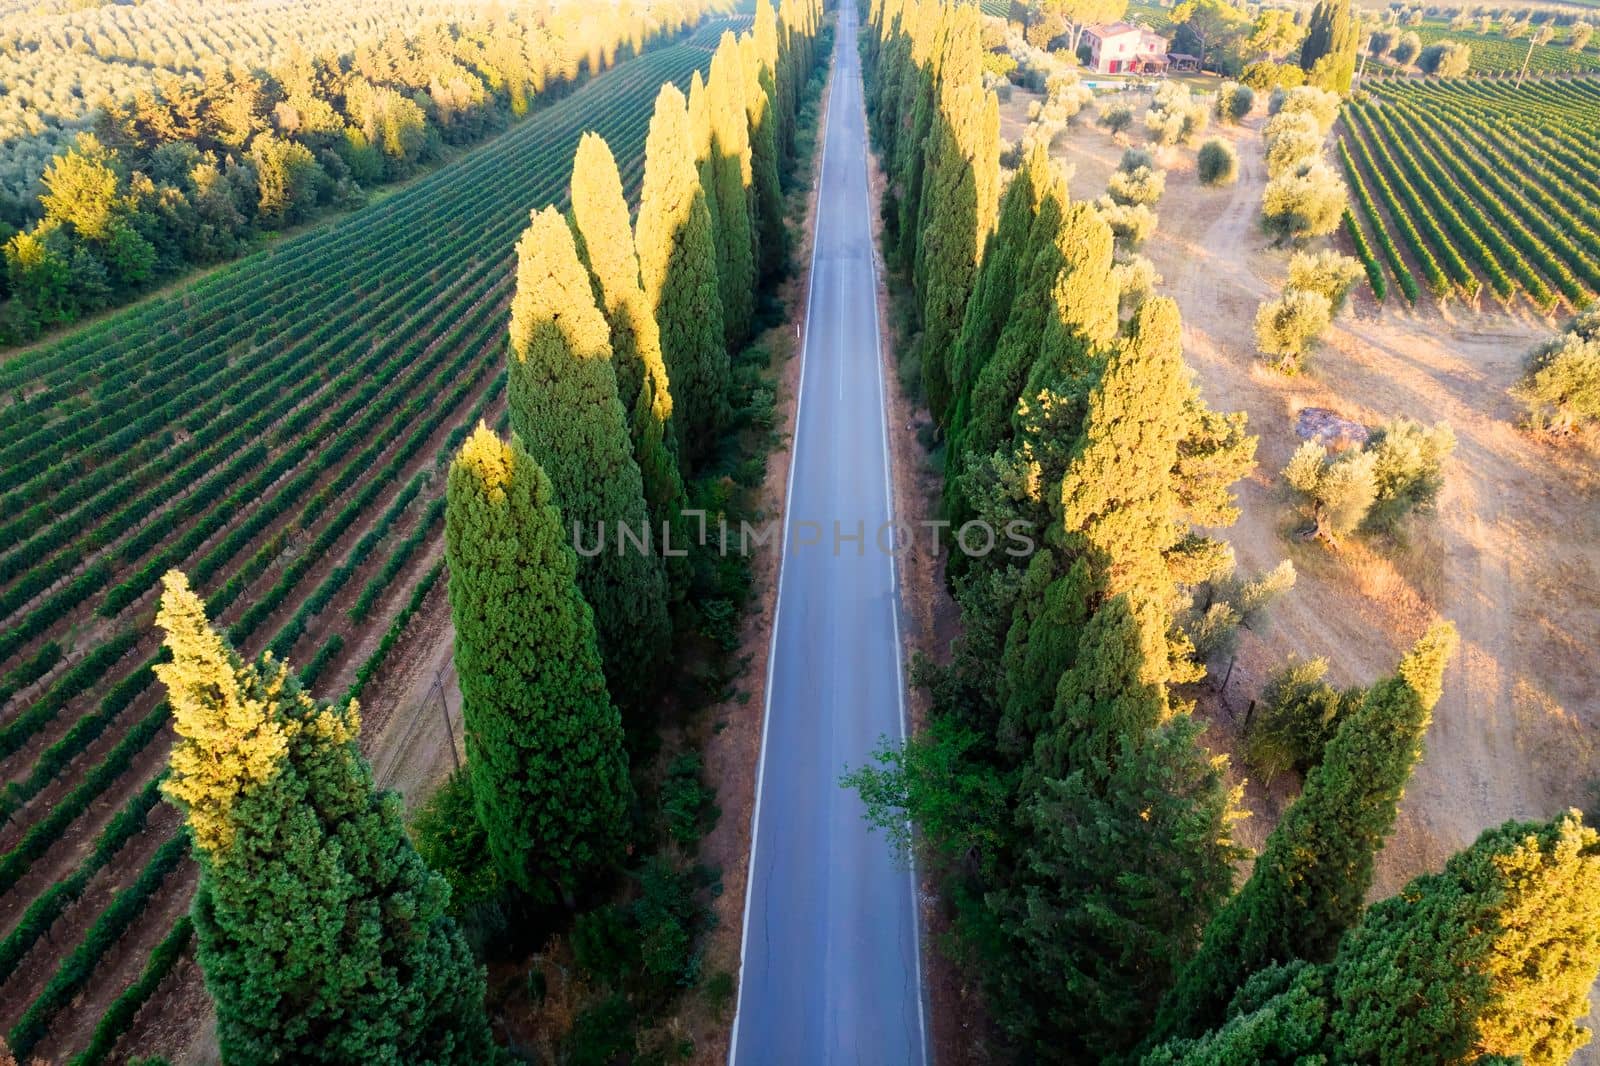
[[1478, 187], [278, 429]]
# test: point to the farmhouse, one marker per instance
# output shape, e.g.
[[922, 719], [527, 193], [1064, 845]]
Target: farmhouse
[[1122, 48]]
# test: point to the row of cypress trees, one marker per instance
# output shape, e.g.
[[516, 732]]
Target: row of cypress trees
[[322, 935], [1083, 830]]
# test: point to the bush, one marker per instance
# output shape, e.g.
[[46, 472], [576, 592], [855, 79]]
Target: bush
[[1217, 164], [1307, 202], [1134, 158], [1447, 59], [1234, 102], [1562, 386], [451, 840], [1298, 714], [602, 1033], [1115, 117], [1406, 49], [1327, 272], [1130, 223], [1293, 144], [1141, 186], [687, 804], [1288, 327]]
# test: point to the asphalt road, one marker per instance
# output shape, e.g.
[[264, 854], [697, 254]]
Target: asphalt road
[[831, 970]]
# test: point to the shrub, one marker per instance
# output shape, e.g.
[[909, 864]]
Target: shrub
[[1286, 328], [1217, 164], [1447, 59], [1293, 144], [687, 804], [1297, 715], [1327, 272], [1234, 102], [1115, 117], [1562, 386], [1307, 202], [451, 840], [1134, 158], [602, 1033], [1140, 186]]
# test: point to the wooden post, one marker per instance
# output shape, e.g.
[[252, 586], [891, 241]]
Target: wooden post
[[1525, 61]]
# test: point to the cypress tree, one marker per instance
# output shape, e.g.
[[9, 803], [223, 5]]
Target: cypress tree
[[678, 268], [321, 935], [1309, 884], [771, 235], [764, 41], [544, 743], [600, 214], [562, 395], [1328, 54], [1117, 782], [731, 180], [1491, 959]]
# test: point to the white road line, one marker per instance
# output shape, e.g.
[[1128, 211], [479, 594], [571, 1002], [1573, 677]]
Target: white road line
[[783, 551]]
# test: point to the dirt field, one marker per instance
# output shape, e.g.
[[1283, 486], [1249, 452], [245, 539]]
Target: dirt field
[[1512, 555]]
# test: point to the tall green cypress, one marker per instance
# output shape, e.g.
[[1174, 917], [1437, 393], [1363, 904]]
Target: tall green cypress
[[600, 214], [1118, 782], [1328, 54], [562, 395], [760, 96], [544, 743], [731, 181], [1309, 884], [1491, 959], [678, 268], [764, 40], [321, 935]]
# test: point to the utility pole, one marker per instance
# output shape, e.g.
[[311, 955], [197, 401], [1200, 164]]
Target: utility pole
[[1525, 61]]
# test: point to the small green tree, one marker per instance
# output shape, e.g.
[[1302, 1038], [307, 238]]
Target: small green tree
[[1338, 490], [1287, 328], [1328, 55], [321, 935], [1326, 272], [1446, 59], [1234, 102], [1141, 185], [1217, 163], [1408, 468], [1115, 117], [1298, 713], [544, 744]]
